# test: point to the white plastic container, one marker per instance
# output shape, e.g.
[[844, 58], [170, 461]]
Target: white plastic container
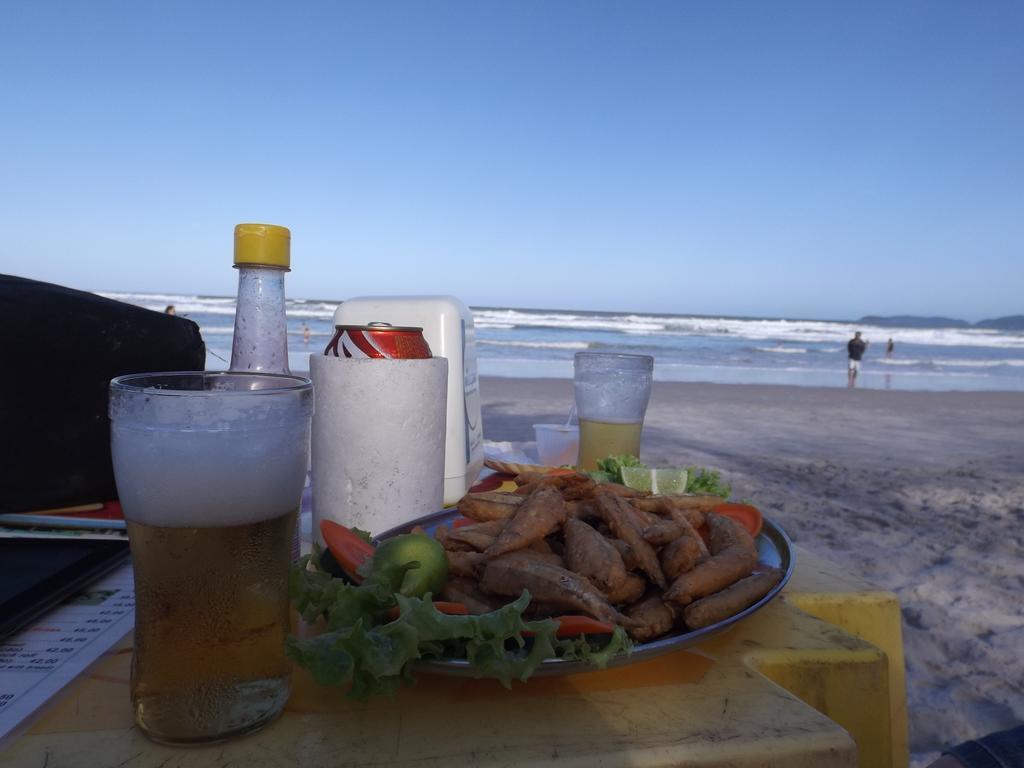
[[557, 444], [448, 328]]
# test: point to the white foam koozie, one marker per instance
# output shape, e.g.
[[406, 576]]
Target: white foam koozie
[[378, 440]]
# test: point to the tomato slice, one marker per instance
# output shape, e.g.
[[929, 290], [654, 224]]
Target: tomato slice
[[575, 625], [347, 547], [462, 522], [745, 514], [449, 609]]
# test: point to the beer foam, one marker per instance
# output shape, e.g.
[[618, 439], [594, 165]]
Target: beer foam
[[204, 479]]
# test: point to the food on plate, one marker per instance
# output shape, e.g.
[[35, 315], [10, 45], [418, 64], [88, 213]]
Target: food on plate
[[609, 469], [592, 555], [541, 513], [666, 481], [683, 553], [652, 618], [622, 520], [627, 593], [431, 563], [690, 507], [570, 485], [479, 536], [733, 556], [557, 587], [731, 600], [746, 515], [465, 564], [467, 591], [643, 555], [565, 567], [492, 505]]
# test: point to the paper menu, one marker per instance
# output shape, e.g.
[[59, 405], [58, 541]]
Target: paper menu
[[38, 662]]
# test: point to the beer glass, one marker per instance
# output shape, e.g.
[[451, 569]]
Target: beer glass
[[612, 391], [210, 469]]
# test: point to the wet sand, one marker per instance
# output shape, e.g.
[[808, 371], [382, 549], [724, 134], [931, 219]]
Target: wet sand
[[921, 493]]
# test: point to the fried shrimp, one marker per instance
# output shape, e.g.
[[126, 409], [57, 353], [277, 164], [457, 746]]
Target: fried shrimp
[[731, 600], [733, 556], [541, 513], [618, 514]]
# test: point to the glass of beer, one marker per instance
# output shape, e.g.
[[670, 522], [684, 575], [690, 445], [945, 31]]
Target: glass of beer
[[210, 469], [612, 391]]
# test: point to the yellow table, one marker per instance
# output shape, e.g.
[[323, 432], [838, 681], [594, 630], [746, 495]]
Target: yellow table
[[814, 679]]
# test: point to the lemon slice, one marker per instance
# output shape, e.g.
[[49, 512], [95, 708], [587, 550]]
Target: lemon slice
[[664, 481]]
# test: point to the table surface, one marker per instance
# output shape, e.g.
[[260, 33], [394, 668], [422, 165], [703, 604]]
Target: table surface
[[813, 679]]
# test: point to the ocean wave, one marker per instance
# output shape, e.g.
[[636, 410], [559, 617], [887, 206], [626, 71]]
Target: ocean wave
[[980, 363], [782, 350], [812, 370], [805, 331], [514, 318], [628, 323], [951, 363], [535, 344]]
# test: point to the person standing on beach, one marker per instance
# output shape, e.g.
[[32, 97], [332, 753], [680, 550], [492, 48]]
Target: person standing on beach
[[889, 348], [170, 310], [855, 348]]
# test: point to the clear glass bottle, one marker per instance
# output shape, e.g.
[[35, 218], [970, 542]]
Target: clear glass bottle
[[262, 257]]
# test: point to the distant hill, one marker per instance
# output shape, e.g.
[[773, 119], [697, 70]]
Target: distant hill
[[1010, 323], [912, 321]]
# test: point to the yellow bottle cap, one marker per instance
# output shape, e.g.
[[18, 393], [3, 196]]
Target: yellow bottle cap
[[265, 245]]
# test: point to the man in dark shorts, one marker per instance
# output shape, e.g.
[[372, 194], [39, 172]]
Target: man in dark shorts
[[855, 351]]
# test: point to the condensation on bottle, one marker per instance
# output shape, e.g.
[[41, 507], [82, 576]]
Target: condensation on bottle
[[262, 257], [260, 344]]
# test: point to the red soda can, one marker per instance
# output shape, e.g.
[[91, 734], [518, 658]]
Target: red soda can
[[378, 340]]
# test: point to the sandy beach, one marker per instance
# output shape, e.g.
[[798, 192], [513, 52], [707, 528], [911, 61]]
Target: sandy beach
[[921, 493]]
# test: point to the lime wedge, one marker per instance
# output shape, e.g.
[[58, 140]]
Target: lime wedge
[[664, 481]]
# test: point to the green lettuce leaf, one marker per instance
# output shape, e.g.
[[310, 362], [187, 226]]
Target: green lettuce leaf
[[369, 655], [609, 469], [706, 481], [584, 649]]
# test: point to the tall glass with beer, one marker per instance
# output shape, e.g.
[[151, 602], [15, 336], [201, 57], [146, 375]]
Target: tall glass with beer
[[209, 469], [612, 391]]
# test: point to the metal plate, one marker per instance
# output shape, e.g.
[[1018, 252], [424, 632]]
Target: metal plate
[[774, 550]]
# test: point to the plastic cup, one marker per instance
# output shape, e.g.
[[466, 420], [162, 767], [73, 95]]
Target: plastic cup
[[557, 444], [209, 470], [612, 392]]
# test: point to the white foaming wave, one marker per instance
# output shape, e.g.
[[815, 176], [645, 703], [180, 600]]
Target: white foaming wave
[[799, 331], [512, 318], [322, 310], [536, 344], [315, 313], [183, 305], [782, 350], [807, 331], [814, 370], [190, 304], [1012, 362], [161, 298], [980, 363]]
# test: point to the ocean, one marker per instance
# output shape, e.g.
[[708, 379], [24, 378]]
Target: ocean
[[532, 343]]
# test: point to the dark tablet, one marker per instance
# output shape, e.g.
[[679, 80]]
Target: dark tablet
[[37, 574]]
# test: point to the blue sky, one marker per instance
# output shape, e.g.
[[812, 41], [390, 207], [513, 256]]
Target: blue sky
[[784, 158]]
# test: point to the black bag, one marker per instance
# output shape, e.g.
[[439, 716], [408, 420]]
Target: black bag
[[61, 348]]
